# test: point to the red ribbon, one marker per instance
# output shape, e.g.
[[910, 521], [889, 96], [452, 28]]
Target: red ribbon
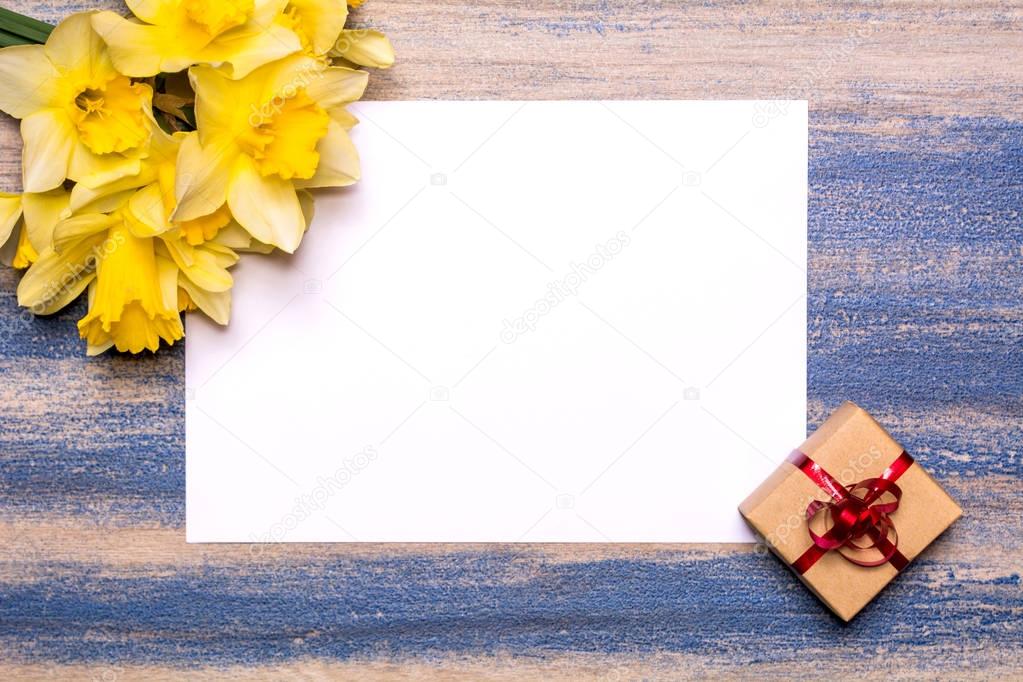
[[859, 510]]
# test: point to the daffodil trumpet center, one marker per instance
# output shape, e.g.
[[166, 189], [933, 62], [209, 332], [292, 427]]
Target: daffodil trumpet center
[[201, 230], [185, 302], [291, 18], [90, 101], [217, 16], [282, 136], [303, 17], [111, 116], [25, 254], [128, 309]]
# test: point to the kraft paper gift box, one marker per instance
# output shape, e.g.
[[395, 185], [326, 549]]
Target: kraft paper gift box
[[849, 510]]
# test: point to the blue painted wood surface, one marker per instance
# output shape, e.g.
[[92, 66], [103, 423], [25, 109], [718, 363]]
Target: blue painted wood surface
[[915, 281]]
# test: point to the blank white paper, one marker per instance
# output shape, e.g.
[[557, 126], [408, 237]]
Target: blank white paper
[[528, 322]]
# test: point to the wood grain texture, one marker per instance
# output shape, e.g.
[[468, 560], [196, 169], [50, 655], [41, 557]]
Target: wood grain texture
[[915, 281]]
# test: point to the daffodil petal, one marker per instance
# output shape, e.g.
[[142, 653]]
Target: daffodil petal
[[223, 255], [321, 21], [152, 11], [72, 231], [305, 199], [131, 44], [146, 214], [104, 204], [337, 86], [366, 47], [265, 206], [109, 195], [75, 48], [339, 160], [200, 183], [256, 246], [246, 48], [49, 140], [289, 74], [200, 266], [344, 117], [216, 103], [10, 212], [142, 50], [56, 279], [42, 213], [237, 239], [163, 149], [233, 236], [93, 170], [30, 81], [216, 306], [92, 351]]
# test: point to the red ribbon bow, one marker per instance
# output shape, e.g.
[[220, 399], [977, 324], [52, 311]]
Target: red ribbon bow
[[858, 510]]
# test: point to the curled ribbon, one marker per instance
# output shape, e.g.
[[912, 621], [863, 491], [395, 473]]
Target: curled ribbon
[[856, 511]]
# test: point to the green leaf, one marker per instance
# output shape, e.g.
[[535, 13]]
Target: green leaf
[[8, 39], [27, 29]]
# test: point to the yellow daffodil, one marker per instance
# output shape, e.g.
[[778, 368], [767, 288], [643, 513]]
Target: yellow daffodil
[[80, 119], [202, 248], [148, 222], [134, 301], [262, 137], [136, 282], [136, 263], [171, 35]]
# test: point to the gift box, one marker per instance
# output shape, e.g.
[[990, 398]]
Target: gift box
[[849, 510]]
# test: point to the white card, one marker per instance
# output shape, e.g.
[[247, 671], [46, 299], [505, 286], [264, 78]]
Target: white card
[[528, 322]]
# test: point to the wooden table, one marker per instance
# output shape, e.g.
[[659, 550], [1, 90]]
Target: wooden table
[[915, 284]]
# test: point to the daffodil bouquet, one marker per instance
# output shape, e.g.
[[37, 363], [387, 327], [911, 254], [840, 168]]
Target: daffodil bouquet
[[159, 147]]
